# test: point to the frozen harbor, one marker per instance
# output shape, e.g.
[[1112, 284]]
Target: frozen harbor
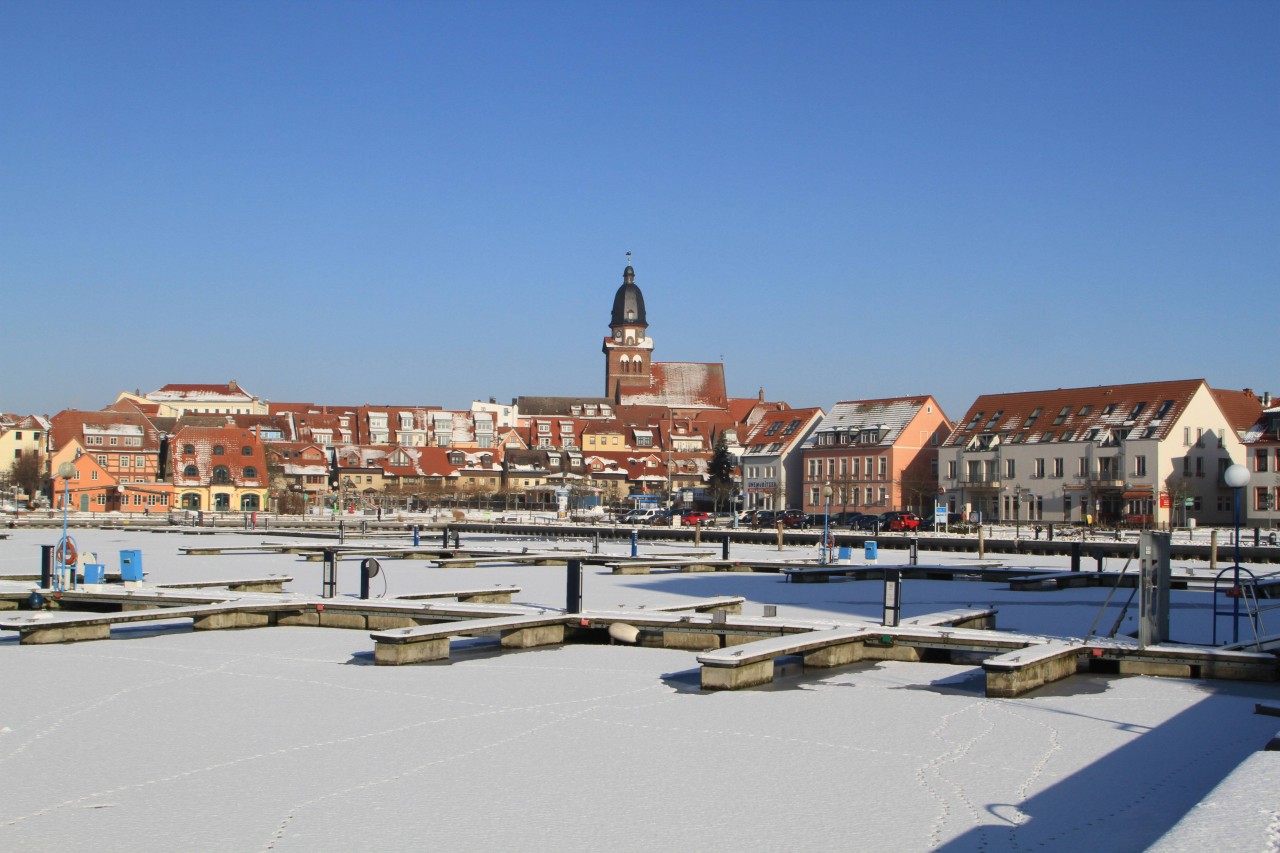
[[289, 739]]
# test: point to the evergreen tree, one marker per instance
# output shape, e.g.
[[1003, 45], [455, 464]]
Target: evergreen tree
[[720, 472]]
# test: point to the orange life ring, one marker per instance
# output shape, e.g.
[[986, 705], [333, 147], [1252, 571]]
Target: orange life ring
[[65, 553]]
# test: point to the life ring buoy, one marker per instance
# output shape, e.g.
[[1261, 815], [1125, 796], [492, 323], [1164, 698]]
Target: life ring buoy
[[65, 553]]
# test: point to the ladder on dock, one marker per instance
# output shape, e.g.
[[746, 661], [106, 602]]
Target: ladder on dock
[[1243, 591]]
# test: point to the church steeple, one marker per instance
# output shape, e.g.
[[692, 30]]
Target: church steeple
[[628, 350]]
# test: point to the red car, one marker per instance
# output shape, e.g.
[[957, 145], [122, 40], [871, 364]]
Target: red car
[[904, 521], [695, 516]]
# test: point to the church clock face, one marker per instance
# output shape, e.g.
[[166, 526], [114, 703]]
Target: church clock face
[[617, 335]]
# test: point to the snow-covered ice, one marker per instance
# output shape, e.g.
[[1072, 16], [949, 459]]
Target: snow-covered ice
[[289, 739]]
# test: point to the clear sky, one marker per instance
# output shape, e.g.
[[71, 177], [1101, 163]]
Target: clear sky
[[431, 202]]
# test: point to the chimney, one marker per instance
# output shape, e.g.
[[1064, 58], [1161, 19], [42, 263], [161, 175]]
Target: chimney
[[233, 386], [761, 395]]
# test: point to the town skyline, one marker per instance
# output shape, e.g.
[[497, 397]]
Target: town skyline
[[432, 204]]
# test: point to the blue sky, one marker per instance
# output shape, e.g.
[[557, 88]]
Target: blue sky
[[397, 202]]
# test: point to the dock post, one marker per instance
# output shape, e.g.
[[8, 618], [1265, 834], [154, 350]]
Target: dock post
[[724, 547], [573, 587], [1099, 556], [342, 531], [595, 542], [779, 535], [329, 584], [1075, 556], [914, 551], [46, 566], [1153, 586], [892, 598], [1051, 531], [445, 542], [457, 539], [369, 568], [982, 543], [635, 542], [416, 541]]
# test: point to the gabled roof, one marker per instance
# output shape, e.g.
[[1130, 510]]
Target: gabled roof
[[778, 432], [1141, 410], [679, 384], [229, 392], [888, 417], [1241, 408]]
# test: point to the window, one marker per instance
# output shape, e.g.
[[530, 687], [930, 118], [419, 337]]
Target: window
[[246, 451], [1062, 415], [1009, 469], [1038, 469], [883, 467], [114, 441], [1031, 418], [1186, 436], [93, 475], [855, 465], [250, 472], [1137, 410], [1186, 466], [1140, 466], [1261, 497], [1260, 460], [1082, 467], [884, 496], [217, 450], [221, 475], [188, 448], [951, 470], [1199, 466], [191, 471]]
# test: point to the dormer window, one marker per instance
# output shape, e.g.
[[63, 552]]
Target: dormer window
[[217, 450]]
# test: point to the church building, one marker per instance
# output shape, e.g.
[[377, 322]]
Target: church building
[[631, 376]]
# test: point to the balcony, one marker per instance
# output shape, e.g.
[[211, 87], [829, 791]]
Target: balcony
[[980, 484], [1104, 480]]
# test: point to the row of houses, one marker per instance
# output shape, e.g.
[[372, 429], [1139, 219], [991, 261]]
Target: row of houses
[[1146, 453]]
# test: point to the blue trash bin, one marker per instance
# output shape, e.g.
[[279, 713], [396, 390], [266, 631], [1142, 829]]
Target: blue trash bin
[[870, 549], [94, 572], [130, 565]]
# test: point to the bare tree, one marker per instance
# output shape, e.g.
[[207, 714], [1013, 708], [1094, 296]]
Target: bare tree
[[27, 472]]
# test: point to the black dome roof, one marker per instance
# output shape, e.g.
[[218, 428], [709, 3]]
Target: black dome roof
[[628, 302]]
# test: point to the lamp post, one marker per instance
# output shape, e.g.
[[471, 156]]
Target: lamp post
[[826, 524], [1236, 477]]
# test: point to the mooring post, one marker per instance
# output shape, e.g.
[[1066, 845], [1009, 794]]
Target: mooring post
[[724, 547], [1098, 555], [457, 539], [697, 536], [595, 542], [892, 598], [416, 541], [914, 551], [1051, 531], [1075, 556], [635, 542], [445, 542], [982, 543], [369, 568], [342, 532], [779, 535], [573, 587], [46, 566], [329, 583]]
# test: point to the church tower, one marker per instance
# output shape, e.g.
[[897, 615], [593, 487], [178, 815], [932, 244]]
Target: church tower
[[628, 351]]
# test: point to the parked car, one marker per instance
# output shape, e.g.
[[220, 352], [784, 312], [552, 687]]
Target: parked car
[[901, 521], [764, 518], [792, 518], [661, 518], [747, 518], [695, 517], [638, 516], [866, 522]]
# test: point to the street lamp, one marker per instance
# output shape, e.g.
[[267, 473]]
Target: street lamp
[[1236, 477], [826, 524]]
